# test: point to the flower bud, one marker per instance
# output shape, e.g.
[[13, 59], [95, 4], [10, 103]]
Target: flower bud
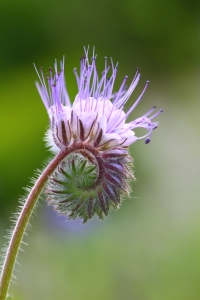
[[89, 181]]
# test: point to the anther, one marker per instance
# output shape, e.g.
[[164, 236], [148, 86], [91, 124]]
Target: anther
[[147, 141]]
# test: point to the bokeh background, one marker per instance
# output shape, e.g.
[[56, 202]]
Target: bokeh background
[[150, 248]]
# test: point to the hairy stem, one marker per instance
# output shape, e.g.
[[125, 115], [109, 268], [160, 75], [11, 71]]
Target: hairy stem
[[22, 222]]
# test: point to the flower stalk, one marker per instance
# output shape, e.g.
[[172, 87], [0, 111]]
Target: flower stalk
[[22, 222]]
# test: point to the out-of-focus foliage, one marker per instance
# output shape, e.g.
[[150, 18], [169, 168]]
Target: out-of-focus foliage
[[150, 249]]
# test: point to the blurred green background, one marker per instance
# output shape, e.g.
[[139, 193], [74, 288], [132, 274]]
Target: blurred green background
[[150, 248]]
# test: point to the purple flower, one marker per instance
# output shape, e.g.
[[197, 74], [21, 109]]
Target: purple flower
[[94, 126]]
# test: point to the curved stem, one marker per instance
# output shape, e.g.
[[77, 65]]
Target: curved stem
[[23, 219]]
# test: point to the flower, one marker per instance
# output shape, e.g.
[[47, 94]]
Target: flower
[[95, 129]]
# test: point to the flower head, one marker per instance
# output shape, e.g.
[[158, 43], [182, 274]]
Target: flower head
[[95, 129]]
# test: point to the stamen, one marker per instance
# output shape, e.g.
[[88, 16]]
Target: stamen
[[109, 84], [147, 141], [105, 59], [138, 100], [160, 111], [133, 106], [95, 78], [98, 92], [112, 81], [55, 65], [77, 77], [120, 89], [86, 89], [127, 95], [150, 111], [42, 89], [130, 88]]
